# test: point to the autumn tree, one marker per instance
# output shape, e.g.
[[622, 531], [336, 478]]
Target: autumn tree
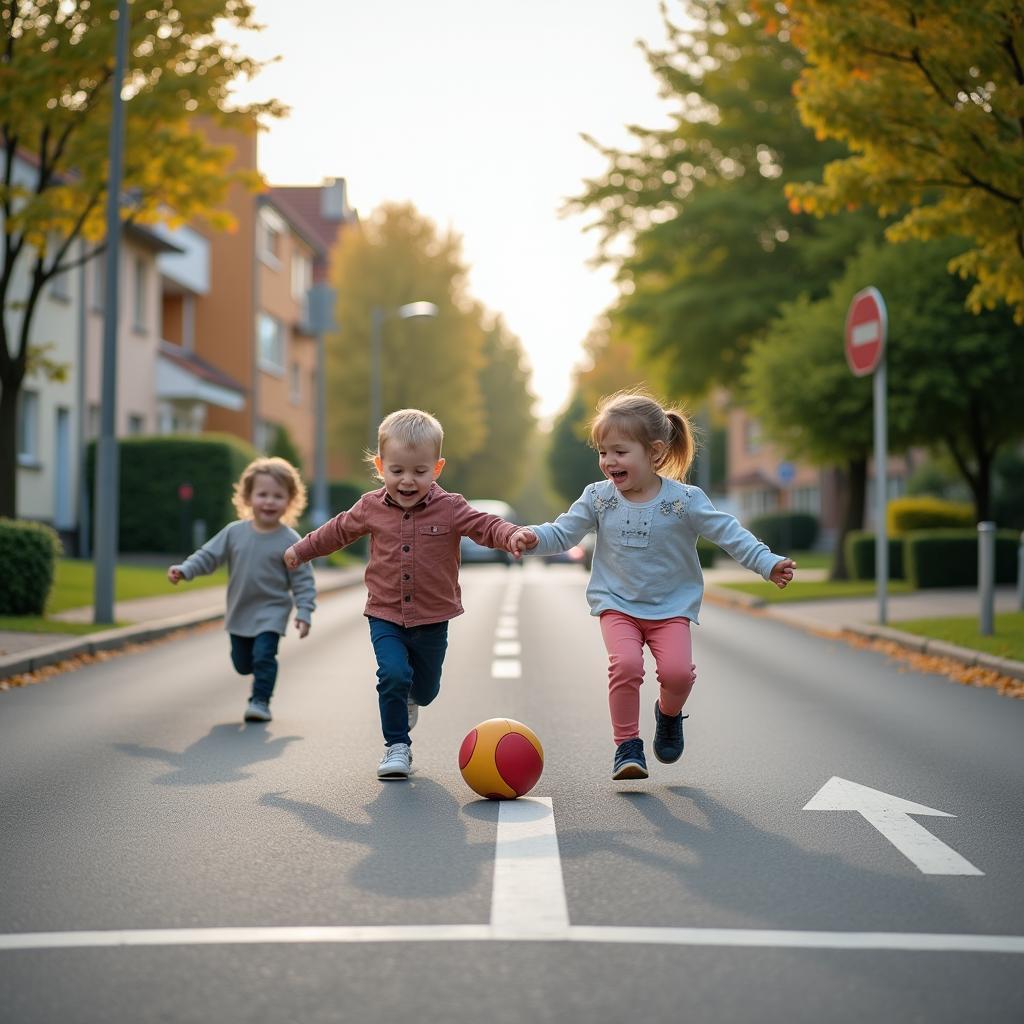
[[497, 468], [442, 364], [928, 98], [694, 215], [56, 70]]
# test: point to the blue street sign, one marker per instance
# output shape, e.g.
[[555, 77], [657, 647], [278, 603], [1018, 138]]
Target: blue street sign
[[785, 472]]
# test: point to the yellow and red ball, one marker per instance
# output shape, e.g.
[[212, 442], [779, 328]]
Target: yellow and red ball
[[501, 759]]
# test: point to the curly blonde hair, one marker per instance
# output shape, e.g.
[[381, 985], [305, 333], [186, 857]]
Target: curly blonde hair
[[284, 473], [644, 419]]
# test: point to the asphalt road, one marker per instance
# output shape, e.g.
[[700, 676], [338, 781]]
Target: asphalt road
[[160, 861]]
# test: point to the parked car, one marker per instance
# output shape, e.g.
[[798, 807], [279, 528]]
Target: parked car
[[470, 551]]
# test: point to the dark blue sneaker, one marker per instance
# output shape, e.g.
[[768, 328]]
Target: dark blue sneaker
[[630, 762], [668, 735]]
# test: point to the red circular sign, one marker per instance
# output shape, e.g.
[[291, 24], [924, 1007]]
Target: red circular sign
[[185, 492], [866, 324]]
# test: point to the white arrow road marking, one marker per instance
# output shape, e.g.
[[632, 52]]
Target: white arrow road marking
[[891, 816], [528, 894]]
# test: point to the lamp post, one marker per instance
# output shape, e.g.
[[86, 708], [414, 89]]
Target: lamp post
[[107, 470], [377, 317], [322, 299]]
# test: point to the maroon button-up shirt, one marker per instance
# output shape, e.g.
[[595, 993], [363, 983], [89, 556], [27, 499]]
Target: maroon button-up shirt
[[413, 572]]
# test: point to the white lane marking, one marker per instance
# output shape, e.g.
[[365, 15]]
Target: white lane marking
[[506, 632], [508, 622], [507, 648], [926, 942], [528, 893], [506, 668], [891, 816]]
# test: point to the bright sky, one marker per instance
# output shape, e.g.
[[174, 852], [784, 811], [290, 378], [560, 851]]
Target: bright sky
[[471, 109]]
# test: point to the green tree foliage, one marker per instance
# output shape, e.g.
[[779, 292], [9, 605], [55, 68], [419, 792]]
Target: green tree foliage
[[954, 378], [928, 96], [56, 83], [572, 463], [712, 245], [284, 447], [496, 469], [470, 377]]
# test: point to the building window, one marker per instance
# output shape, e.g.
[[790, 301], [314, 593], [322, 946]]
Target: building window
[[302, 277], [806, 499], [271, 233], [295, 384], [266, 434], [28, 428], [136, 424], [139, 282], [270, 334]]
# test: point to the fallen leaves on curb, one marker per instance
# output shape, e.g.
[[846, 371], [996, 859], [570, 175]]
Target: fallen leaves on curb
[[966, 675], [81, 660]]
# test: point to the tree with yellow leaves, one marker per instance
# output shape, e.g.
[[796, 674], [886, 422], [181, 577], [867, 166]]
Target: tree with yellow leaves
[[56, 80], [929, 98]]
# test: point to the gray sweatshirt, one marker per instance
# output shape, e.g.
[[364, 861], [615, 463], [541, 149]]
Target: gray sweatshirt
[[260, 586], [645, 559]]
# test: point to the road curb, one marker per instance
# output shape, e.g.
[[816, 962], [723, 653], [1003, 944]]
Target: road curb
[[941, 649], [36, 658]]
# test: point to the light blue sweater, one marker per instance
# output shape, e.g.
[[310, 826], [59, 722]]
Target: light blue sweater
[[645, 560]]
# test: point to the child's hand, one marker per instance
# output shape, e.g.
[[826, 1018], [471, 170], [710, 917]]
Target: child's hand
[[522, 540], [783, 572], [175, 575], [303, 628], [291, 559]]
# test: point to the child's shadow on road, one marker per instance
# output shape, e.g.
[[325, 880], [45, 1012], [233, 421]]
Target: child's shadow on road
[[219, 756], [416, 840]]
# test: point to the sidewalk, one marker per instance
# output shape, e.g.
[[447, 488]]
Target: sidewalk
[[860, 616], [149, 618]]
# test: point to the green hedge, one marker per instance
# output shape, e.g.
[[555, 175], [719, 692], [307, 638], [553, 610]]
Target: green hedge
[[859, 547], [28, 554], [152, 516], [903, 515], [949, 558], [786, 531], [706, 552]]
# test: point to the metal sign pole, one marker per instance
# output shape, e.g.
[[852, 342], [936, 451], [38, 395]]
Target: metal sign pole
[[881, 488]]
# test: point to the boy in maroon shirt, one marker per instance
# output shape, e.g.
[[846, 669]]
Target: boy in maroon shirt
[[412, 575]]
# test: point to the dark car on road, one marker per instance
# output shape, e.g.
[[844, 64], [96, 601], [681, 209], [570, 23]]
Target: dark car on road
[[472, 552]]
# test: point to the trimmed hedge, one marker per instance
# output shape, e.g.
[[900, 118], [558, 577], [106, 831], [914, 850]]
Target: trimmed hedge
[[28, 553], [903, 515], [949, 558], [706, 552], [786, 531], [152, 517], [859, 547]]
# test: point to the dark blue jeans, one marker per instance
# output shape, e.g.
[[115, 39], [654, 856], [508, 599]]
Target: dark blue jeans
[[409, 661], [257, 655]]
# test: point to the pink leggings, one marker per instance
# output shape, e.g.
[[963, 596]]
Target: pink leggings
[[669, 641]]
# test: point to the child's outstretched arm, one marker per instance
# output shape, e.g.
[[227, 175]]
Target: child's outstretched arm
[[204, 561], [334, 535], [568, 529]]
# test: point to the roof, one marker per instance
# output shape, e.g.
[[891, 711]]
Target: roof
[[198, 367], [301, 205], [753, 478]]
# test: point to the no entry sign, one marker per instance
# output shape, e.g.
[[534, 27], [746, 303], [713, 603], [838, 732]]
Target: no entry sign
[[866, 323]]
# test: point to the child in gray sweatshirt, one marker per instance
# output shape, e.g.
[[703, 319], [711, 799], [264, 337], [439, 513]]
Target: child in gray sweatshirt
[[269, 498]]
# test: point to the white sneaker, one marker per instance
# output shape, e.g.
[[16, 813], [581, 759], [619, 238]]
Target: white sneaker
[[396, 762], [258, 711], [414, 713]]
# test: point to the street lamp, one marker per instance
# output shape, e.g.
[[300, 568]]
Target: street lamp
[[377, 317], [321, 302]]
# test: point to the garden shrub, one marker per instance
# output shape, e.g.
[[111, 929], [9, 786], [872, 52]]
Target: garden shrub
[[786, 531], [926, 513], [949, 558], [28, 554], [859, 547]]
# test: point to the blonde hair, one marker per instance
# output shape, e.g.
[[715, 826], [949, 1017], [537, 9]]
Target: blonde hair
[[409, 427], [641, 418], [284, 473]]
